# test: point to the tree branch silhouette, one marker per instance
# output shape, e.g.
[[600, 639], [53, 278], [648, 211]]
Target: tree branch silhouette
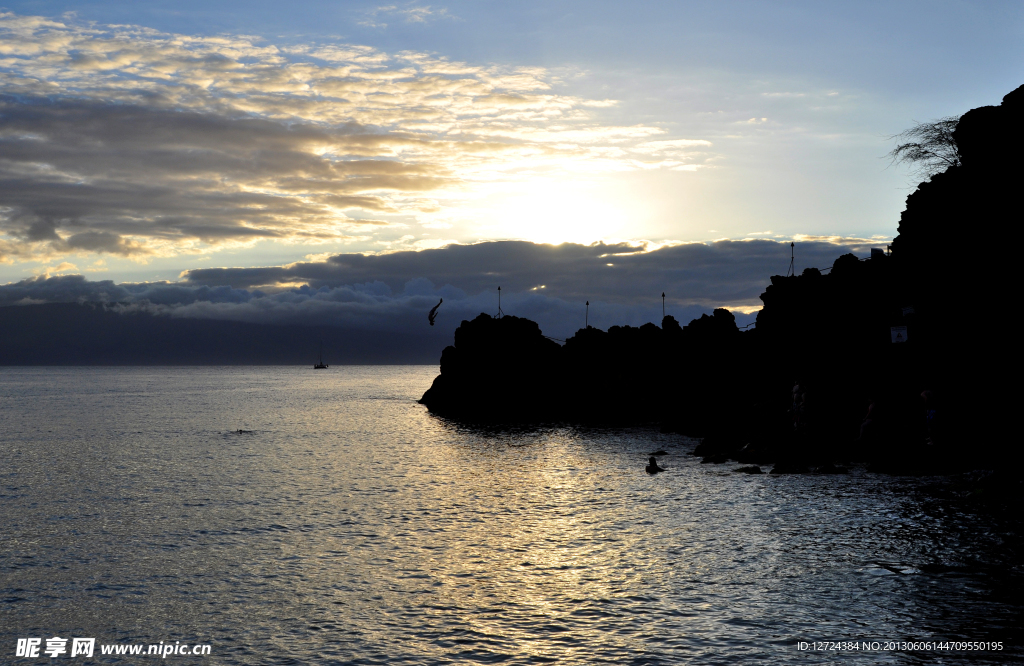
[[929, 148]]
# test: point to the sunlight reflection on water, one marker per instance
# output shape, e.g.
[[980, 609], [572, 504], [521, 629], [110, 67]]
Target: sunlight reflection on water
[[290, 516]]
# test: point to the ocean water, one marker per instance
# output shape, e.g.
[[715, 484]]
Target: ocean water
[[286, 516]]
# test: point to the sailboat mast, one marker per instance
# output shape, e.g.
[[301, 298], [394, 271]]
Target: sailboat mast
[[320, 364]]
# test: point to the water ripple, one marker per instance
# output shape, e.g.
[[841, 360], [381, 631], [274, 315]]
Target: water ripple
[[290, 517]]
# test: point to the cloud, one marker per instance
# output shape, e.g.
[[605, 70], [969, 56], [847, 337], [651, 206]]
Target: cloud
[[62, 268], [408, 14], [857, 245], [393, 292], [708, 274], [128, 141]]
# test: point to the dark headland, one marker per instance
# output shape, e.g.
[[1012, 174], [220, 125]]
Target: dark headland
[[819, 381]]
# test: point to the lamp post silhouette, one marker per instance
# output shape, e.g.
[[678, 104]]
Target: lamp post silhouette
[[662, 305], [586, 320], [500, 313], [792, 258]]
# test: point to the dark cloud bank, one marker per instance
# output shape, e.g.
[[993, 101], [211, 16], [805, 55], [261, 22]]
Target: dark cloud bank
[[176, 176], [373, 309]]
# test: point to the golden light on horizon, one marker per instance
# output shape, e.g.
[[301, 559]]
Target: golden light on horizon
[[556, 211]]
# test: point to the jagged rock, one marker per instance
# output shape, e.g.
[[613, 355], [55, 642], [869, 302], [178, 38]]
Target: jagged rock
[[504, 369]]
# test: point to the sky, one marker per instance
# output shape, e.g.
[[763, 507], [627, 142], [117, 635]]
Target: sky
[[383, 155]]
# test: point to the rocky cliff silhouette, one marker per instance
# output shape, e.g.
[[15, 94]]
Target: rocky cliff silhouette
[[954, 254], [820, 378], [504, 369]]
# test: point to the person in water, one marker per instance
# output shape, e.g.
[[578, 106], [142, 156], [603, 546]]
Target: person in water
[[652, 466]]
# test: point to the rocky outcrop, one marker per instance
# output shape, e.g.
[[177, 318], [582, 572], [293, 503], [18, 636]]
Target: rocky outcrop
[[504, 369], [500, 369]]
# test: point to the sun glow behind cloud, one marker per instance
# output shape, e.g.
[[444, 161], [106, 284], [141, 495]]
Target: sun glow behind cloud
[[127, 141], [550, 211]]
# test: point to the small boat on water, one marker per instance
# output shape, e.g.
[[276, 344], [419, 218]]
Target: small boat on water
[[321, 365]]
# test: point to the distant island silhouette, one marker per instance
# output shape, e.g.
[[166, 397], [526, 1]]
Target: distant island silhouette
[[890, 359], [73, 334]]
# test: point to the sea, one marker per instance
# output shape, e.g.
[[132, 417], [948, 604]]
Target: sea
[[281, 515]]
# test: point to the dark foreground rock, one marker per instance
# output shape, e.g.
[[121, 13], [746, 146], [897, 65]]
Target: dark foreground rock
[[505, 370], [499, 370]]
